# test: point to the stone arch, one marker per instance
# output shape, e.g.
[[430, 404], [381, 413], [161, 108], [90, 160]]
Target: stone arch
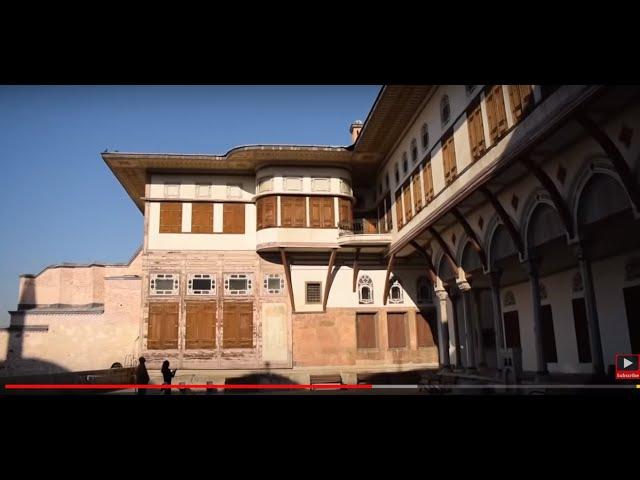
[[600, 195], [501, 245], [469, 259], [444, 270], [593, 166], [543, 225]]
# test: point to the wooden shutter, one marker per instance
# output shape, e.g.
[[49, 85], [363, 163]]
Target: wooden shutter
[[550, 353], [449, 160], [328, 212], [496, 113], [388, 212], [427, 181], [426, 328], [163, 325], [294, 211], [512, 329], [399, 215], [406, 191], [233, 218], [521, 98], [344, 206], [316, 211], [266, 212], [201, 325], [476, 133], [582, 330], [366, 330], [396, 330], [170, 217], [237, 328], [202, 218], [417, 191]]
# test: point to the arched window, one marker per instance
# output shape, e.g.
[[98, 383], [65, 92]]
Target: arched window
[[395, 293], [405, 163], [445, 110], [365, 289], [509, 299], [414, 150], [424, 290], [576, 283], [397, 175], [425, 136]]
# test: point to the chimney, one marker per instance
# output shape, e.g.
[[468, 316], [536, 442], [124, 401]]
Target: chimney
[[355, 129]]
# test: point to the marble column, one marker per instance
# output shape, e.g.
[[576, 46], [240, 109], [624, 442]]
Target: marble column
[[531, 264], [498, 325], [443, 329], [454, 294], [469, 340], [477, 326], [595, 342]]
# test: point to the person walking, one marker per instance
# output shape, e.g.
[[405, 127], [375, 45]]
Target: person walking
[[167, 375], [142, 376]]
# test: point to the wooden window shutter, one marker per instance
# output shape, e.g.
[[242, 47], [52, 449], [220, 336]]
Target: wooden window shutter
[[345, 210], [233, 218], [163, 325], [399, 215], [366, 330], [396, 330], [476, 133], [294, 211], [266, 212], [286, 205], [449, 158], [521, 98], [501, 113], [237, 325], [328, 216], [201, 325], [170, 217], [315, 207], [417, 191], [406, 191], [388, 212], [427, 180], [426, 328], [202, 218]]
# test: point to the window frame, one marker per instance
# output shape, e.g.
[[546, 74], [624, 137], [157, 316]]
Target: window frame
[[201, 276], [265, 284], [228, 292], [306, 293], [154, 277]]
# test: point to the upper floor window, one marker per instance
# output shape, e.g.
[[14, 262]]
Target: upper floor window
[[237, 284], [521, 98], [405, 163], [496, 113], [365, 289], [164, 283], [171, 189], [424, 289], [273, 283], [321, 184], [386, 181], [449, 160], [313, 292], [201, 284], [203, 190], [265, 184], [414, 150], [395, 293], [234, 191], [476, 132], [233, 218], [345, 187], [425, 136], [397, 174], [445, 110], [293, 183]]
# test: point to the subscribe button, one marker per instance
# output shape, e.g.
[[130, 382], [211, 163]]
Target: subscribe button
[[627, 367]]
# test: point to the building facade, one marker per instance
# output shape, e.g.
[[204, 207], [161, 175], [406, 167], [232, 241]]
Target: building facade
[[464, 226]]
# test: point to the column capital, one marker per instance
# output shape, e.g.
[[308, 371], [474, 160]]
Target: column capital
[[442, 294]]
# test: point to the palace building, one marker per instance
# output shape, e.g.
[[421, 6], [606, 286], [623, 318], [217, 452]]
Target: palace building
[[465, 227]]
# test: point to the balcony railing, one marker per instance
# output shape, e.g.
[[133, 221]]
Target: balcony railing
[[361, 226]]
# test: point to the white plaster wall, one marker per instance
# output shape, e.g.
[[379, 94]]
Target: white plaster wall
[[188, 186], [307, 173], [296, 235], [202, 241]]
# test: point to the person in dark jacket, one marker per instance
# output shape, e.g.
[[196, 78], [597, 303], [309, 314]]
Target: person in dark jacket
[[167, 375], [142, 376]]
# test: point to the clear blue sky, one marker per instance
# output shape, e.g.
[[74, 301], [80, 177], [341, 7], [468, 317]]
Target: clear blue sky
[[60, 202]]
